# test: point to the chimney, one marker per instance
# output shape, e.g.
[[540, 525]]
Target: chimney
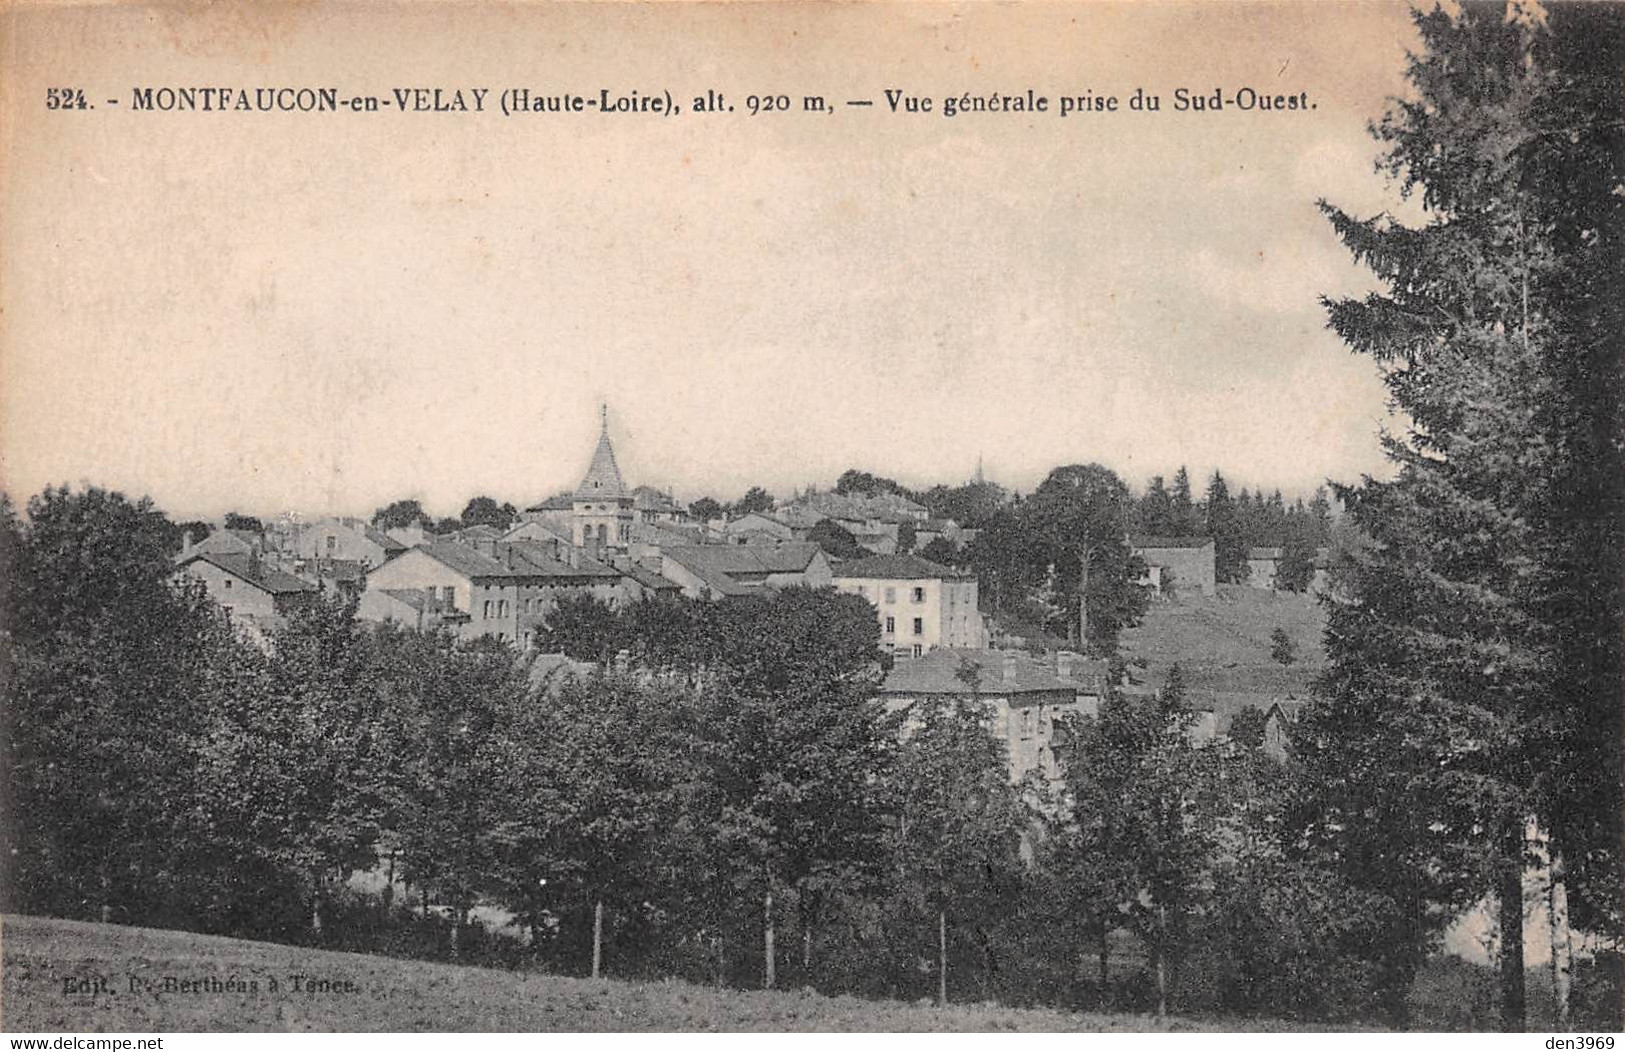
[[1009, 666]]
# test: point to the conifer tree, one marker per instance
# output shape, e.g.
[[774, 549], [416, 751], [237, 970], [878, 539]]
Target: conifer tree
[[1459, 705]]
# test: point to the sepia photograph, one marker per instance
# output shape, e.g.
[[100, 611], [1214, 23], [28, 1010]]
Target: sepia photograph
[[757, 517]]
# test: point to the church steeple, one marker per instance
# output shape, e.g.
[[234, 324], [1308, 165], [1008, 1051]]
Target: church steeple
[[603, 478]]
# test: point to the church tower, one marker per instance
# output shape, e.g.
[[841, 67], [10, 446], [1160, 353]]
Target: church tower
[[602, 504]]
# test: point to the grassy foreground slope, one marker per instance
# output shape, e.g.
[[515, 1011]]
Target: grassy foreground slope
[[386, 994]]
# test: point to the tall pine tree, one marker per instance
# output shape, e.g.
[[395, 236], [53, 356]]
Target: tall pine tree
[[1474, 660]]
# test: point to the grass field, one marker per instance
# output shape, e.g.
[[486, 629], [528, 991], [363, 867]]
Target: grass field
[[41, 957]]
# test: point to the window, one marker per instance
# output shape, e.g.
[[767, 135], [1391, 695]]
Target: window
[[502, 608], [919, 626], [891, 595], [487, 608], [332, 543], [891, 625], [448, 594], [918, 650], [228, 582], [919, 595]]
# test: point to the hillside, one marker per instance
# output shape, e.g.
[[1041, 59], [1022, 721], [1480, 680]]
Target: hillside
[[1222, 643], [383, 994]]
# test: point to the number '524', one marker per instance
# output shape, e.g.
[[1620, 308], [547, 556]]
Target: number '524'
[[65, 99]]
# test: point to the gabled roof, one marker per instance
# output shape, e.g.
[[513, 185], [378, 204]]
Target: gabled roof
[[246, 569], [735, 569], [1263, 553], [514, 559], [999, 673], [536, 559], [559, 502], [222, 542], [649, 578], [603, 478], [897, 568], [382, 539], [1169, 542]]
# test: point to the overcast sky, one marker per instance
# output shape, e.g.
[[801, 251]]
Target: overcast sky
[[328, 311]]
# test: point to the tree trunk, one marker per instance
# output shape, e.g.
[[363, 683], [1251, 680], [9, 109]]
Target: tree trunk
[[942, 957], [1557, 906], [767, 940], [1083, 602], [456, 932], [1162, 967], [597, 936], [1104, 962], [1511, 895]]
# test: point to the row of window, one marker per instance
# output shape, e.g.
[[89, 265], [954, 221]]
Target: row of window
[[919, 626], [890, 594], [499, 607]]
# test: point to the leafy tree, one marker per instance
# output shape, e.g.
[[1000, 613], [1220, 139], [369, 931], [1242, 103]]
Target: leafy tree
[[485, 511], [1080, 515], [108, 684], [796, 745], [861, 482], [970, 505], [959, 828], [191, 531], [608, 755], [705, 509], [756, 499], [401, 515], [1135, 781], [906, 535], [582, 627], [836, 540], [942, 551], [235, 521], [1009, 561], [454, 766]]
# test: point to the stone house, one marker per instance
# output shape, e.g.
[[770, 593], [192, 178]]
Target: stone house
[[921, 605], [1177, 565]]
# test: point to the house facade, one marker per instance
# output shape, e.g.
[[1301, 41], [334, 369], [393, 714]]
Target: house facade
[[256, 596], [1021, 695], [507, 595], [921, 605], [716, 571], [346, 539], [1262, 566], [1177, 565]]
